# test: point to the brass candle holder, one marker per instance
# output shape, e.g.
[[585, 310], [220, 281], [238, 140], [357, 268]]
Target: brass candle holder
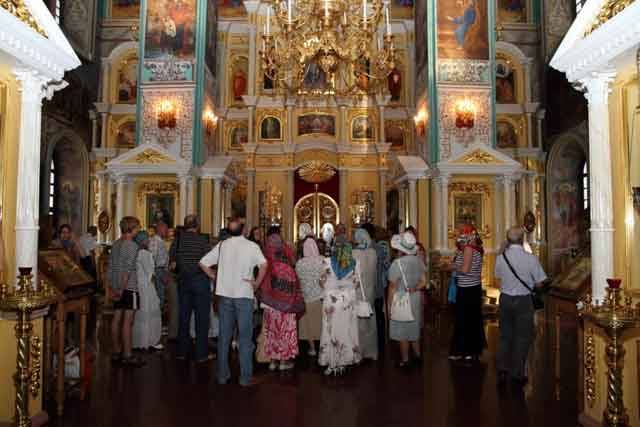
[[24, 299], [614, 318]]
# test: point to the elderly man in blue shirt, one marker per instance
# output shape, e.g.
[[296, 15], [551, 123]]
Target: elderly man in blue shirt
[[519, 273]]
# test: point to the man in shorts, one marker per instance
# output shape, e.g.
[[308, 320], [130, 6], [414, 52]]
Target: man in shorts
[[124, 289]]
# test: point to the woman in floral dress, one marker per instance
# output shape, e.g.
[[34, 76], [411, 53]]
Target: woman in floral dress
[[339, 342], [282, 299]]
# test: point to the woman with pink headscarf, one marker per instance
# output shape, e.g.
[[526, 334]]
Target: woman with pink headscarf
[[309, 269], [281, 295]]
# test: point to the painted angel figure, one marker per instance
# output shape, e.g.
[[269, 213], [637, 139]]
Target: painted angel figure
[[465, 21]]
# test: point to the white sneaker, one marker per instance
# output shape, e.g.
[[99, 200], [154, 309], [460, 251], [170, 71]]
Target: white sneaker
[[285, 366], [272, 366], [158, 347], [312, 352]]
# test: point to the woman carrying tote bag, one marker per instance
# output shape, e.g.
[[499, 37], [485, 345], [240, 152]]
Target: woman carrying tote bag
[[406, 280]]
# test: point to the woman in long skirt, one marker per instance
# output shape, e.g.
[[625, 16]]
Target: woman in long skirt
[[309, 268], [366, 257], [339, 341], [282, 298], [147, 326]]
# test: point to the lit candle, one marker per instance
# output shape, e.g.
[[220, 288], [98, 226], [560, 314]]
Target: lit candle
[[364, 10], [386, 17], [326, 8], [344, 19], [379, 44], [289, 11]]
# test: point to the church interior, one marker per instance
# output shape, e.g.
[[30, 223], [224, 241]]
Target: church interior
[[420, 114]]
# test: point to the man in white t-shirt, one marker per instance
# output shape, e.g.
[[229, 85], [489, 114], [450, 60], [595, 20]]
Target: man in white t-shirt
[[236, 258]]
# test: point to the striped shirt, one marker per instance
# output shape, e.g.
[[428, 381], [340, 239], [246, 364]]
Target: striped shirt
[[474, 276], [123, 257], [187, 250]]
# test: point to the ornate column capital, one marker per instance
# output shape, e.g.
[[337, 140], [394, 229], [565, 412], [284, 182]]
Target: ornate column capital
[[598, 87]]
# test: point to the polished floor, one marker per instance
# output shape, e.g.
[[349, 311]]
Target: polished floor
[[439, 393]]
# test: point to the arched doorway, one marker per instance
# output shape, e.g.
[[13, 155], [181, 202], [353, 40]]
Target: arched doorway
[[316, 209], [316, 191]]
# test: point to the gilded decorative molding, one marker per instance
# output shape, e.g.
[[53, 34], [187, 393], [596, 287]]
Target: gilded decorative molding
[[464, 71], [590, 368], [469, 187], [316, 171], [20, 10], [172, 70], [608, 10], [157, 188], [150, 157], [480, 157]]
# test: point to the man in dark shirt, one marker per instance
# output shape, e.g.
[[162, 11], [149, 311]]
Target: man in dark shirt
[[194, 288]]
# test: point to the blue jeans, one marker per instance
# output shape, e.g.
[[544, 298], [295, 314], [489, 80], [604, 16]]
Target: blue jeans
[[230, 311], [160, 276], [194, 295]]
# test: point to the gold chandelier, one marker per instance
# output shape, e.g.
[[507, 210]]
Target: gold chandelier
[[326, 47]]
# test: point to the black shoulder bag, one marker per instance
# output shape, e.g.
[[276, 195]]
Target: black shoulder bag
[[536, 297]]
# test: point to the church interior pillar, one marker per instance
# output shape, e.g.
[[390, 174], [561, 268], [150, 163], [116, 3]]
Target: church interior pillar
[[251, 189], [498, 229], [182, 182], [402, 206], [344, 197], [600, 182], [444, 215], [382, 198], [206, 206], [191, 195], [437, 214], [131, 200], [217, 200], [509, 202], [413, 203], [120, 199], [228, 193]]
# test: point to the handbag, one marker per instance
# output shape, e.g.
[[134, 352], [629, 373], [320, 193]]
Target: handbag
[[453, 288], [536, 297], [401, 305], [363, 308]]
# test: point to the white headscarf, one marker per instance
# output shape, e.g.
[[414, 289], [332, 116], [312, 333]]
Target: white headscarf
[[310, 248]]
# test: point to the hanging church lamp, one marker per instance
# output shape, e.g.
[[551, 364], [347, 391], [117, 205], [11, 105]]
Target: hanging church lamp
[[328, 47]]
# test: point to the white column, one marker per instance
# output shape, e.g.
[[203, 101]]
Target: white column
[[251, 137], [100, 176], [288, 209], [600, 193], [103, 130], [94, 128], [182, 183], [290, 125], [253, 60], [444, 205], [131, 200], [228, 192], [523, 192], [539, 118], [343, 129], [112, 215], [191, 195], [437, 214], [402, 208], [382, 200], [498, 230], [217, 209], [32, 88], [106, 75], [344, 197], [509, 202], [251, 189], [120, 189], [413, 203], [541, 227]]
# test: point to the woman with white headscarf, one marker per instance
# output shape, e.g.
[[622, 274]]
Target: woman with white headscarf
[[309, 268], [365, 255]]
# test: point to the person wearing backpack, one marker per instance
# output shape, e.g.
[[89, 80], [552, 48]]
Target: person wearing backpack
[[519, 273]]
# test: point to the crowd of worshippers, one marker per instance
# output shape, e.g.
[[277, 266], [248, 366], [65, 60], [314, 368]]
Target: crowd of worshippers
[[338, 299]]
